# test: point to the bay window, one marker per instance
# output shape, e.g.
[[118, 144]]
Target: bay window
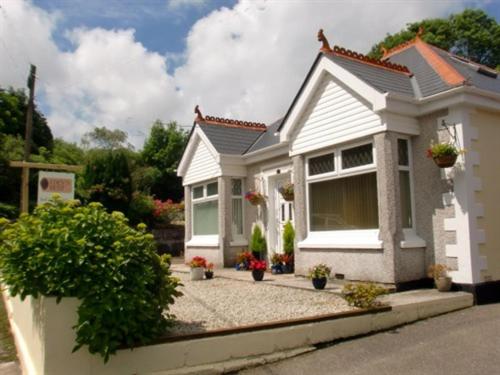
[[342, 189], [205, 209]]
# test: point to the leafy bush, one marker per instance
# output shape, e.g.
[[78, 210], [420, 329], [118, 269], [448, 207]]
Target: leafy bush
[[67, 250], [288, 238], [8, 211], [167, 211], [363, 295], [141, 208], [258, 241]]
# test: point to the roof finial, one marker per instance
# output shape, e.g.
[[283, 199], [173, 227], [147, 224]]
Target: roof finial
[[384, 51], [199, 116], [322, 38], [420, 31]]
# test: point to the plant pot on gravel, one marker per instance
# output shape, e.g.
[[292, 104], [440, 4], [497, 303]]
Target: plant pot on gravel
[[258, 275], [197, 265], [209, 275], [319, 283], [197, 273], [258, 268]]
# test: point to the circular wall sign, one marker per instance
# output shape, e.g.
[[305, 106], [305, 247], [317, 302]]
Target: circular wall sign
[[44, 183]]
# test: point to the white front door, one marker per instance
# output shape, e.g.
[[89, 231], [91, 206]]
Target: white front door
[[283, 212]]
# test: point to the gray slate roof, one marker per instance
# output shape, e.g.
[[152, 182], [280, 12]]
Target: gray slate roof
[[268, 138], [381, 79], [227, 140]]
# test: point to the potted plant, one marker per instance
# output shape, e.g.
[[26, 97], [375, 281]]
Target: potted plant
[[439, 272], [287, 260], [444, 154], [209, 271], [197, 265], [258, 268], [254, 197], [319, 275], [243, 260], [286, 192], [258, 243], [288, 247], [276, 264]]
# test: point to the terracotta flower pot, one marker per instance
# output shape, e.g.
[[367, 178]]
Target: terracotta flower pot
[[197, 273], [445, 161], [443, 284]]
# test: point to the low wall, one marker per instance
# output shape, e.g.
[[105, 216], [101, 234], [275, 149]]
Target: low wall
[[44, 338], [170, 239]]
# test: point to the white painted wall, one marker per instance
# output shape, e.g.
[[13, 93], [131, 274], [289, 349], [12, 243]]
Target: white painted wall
[[332, 116], [203, 165]]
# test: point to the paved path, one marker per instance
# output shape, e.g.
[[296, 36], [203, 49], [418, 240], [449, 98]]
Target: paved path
[[465, 342]]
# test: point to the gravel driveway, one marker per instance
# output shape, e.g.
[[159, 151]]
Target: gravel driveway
[[225, 303]]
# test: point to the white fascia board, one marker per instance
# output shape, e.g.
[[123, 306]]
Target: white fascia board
[[463, 95], [232, 165], [396, 122], [191, 147], [266, 153], [325, 65]]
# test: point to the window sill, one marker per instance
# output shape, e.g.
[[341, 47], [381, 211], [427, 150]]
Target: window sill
[[411, 240], [203, 241], [355, 239], [239, 243]]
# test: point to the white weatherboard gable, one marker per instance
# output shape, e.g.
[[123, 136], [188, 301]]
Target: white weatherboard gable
[[332, 116], [203, 164], [326, 67]]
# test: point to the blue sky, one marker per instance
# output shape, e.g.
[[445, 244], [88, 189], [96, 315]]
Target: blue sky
[[125, 63]]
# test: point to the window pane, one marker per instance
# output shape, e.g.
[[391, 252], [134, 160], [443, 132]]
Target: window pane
[[212, 189], [402, 152], [344, 203], [198, 192], [236, 187], [237, 217], [205, 218], [321, 164], [405, 196], [357, 156]]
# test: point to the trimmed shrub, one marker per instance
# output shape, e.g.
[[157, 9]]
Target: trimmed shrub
[[67, 250], [288, 238], [258, 241], [363, 295]]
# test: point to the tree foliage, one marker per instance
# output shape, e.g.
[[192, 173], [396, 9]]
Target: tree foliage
[[161, 153], [67, 250], [471, 34], [104, 138], [13, 106]]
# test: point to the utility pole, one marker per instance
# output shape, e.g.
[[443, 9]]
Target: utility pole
[[27, 140]]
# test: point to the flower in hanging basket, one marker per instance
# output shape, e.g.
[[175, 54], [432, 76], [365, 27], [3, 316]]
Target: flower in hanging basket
[[444, 154], [198, 262], [254, 197], [287, 191]]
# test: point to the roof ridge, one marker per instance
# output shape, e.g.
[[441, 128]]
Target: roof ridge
[[231, 123]]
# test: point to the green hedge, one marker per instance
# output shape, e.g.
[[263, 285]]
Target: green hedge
[[67, 250]]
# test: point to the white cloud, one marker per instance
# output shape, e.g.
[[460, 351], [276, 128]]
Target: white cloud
[[246, 62], [183, 4]]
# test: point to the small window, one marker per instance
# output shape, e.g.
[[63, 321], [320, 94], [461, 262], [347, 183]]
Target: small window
[[321, 164], [403, 152], [236, 187], [405, 198], [357, 156], [212, 189], [198, 192]]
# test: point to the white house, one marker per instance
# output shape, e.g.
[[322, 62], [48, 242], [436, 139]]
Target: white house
[[367, 200]]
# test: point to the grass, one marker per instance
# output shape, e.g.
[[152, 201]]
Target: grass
[[7, 346]]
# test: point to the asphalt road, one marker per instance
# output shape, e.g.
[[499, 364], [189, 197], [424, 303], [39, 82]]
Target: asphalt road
[[463, 342]]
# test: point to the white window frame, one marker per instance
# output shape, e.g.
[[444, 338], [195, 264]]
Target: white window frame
[[353, 239], [204, 239], [411, 239], [238, 239]]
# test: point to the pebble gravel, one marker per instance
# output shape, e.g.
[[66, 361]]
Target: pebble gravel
[[228, 303]]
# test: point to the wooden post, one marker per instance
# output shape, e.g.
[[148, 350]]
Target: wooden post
[[27, 141]]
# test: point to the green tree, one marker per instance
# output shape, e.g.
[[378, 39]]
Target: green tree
[[161, 154], [11, 148], [104, 138], [471, 34], [13, 105]]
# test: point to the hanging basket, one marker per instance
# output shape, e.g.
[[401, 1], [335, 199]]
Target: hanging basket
[[255, 199], [288, 196], [287, 192], [445, 161]]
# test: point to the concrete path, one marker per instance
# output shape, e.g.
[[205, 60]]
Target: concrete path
[[465, 342]]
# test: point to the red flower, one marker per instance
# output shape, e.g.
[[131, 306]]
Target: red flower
[[258, 265], [198, 262]]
